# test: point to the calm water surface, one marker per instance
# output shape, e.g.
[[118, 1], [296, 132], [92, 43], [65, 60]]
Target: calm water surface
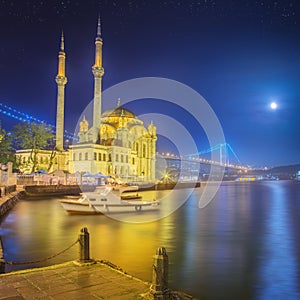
[[244, 245]]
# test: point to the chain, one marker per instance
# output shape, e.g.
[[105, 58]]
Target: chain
[[41, 260], [113, 266]]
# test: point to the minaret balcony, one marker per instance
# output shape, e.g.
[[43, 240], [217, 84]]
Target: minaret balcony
[[61, 80], [98, 71]]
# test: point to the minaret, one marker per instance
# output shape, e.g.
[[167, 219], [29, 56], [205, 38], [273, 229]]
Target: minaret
[[61, 81], [98, 72]]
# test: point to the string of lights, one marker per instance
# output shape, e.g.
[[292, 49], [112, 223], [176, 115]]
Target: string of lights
[[24, 117]]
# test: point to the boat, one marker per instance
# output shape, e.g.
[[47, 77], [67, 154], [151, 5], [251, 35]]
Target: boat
[[109, 199]]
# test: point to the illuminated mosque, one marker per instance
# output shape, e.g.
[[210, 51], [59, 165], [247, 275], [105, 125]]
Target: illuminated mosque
[[116, 143]]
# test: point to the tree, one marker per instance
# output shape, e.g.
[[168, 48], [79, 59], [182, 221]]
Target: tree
[[6, 150], [34, 137]]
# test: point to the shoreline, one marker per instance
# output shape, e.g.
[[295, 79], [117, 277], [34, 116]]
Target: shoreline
[[64, 190]]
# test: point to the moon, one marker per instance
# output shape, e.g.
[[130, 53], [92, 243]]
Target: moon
[[273, 105]]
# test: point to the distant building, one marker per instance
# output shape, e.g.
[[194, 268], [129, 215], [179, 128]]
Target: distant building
[[117, 143]]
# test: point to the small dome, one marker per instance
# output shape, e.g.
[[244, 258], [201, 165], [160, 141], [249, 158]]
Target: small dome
[[84, 125]]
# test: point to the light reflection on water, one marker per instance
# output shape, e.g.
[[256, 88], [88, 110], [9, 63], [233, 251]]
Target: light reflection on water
[[279, 267], [244, 245]]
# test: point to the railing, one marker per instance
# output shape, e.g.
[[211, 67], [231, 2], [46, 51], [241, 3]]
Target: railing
[[25, 180]]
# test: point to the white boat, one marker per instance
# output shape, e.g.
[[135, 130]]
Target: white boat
[[109, 199]]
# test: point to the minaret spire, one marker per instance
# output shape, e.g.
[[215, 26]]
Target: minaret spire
[[62, 42], [98, 73], [61, 81], [99, 27]]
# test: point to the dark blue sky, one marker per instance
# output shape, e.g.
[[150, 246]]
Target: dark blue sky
[[239, 55]]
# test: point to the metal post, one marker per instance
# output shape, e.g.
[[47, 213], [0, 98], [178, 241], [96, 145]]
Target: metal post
[[159, 287], [84, 245]]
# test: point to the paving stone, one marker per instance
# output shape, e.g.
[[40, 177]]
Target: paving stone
[[8, 291], [68, 281]]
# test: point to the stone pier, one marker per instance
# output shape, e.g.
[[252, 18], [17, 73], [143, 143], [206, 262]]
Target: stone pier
[[70, 281]]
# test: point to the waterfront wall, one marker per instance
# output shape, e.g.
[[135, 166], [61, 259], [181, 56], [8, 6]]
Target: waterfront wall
[[168, 186], [44, 190], [8, 202]]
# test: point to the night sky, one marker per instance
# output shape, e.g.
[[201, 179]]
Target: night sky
[[239, 55]]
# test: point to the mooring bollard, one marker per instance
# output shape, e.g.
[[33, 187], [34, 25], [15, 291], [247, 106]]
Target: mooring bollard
[[84, 245], [159, 287]]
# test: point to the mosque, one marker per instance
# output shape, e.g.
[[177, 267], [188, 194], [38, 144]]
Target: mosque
[[116, 144]]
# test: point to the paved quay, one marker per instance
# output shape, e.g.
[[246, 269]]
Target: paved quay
[[71, 281]]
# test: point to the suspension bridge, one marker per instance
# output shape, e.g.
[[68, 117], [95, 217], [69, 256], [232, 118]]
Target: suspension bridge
[[227, 156], [197, 166]]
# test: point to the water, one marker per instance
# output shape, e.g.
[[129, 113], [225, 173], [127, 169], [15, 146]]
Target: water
[[244, 245]]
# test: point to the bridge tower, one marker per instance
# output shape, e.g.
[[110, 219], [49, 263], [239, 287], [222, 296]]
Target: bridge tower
[[98, 73], [223, 154], [61, 81]]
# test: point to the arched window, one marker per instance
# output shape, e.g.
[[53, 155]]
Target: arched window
[[144, 150], [86, 156]]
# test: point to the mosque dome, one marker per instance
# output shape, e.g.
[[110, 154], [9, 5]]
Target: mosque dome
[[119, 117], [118, 112]]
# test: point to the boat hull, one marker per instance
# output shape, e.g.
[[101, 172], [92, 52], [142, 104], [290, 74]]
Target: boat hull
[[76, 207], [126, 208]]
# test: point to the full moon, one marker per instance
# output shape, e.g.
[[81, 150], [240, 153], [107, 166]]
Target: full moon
[[273, 105]]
